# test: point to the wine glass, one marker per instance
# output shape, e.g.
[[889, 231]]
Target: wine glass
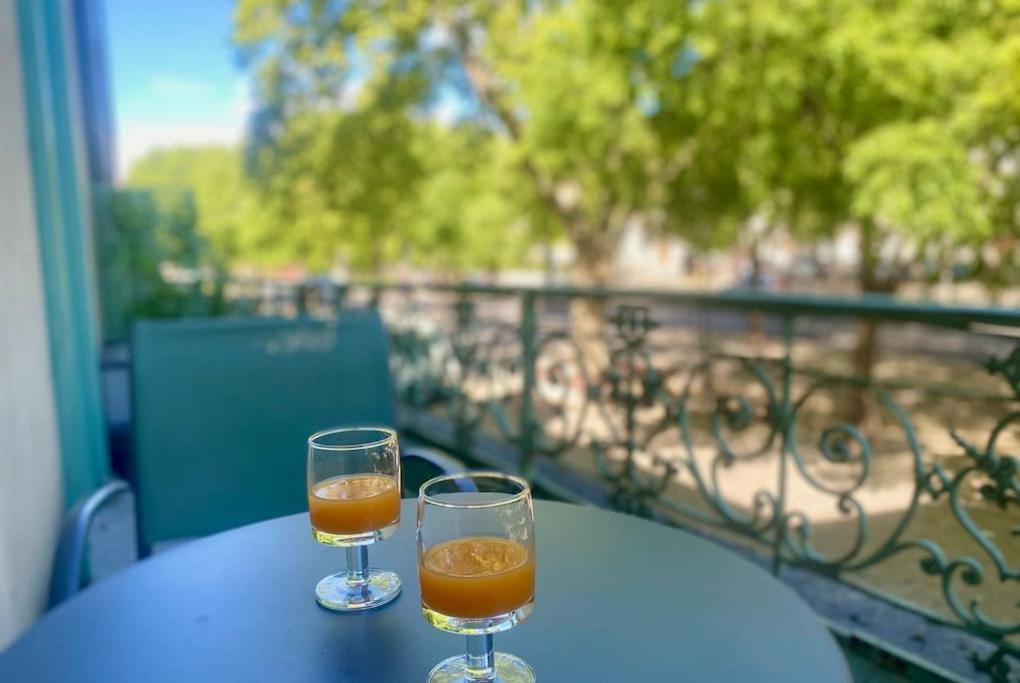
[[354, 501], [476, 565]]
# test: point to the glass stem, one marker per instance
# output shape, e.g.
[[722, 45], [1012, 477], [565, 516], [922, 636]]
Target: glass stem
[[357, 564], [481, 662]]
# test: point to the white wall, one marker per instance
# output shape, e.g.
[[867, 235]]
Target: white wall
[[30, 475]]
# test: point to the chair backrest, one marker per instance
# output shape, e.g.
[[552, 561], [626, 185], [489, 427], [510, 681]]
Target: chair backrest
[[223, 409]]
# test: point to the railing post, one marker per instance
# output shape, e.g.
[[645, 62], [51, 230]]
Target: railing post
[[301, 295], [704, 323], [464, 342], [782, 420], [339, 296], [529, 353]]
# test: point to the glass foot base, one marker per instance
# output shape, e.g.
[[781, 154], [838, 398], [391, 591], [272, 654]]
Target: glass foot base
[[339, 593], [509, 669]]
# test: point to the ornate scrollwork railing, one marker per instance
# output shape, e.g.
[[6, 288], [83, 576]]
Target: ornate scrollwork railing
[[678, 407]]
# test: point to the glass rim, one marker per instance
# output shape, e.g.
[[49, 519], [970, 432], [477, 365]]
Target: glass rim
[[390, 435], [525, 491]]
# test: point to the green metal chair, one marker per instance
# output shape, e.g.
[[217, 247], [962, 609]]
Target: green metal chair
[[221, 413], [418, 464], [222, 409], [72, 569]]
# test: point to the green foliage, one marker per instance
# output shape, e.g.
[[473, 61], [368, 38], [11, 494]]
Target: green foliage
[[190, 210], [207, 187], [577, 118], [342, 186], [989, 119], [468, 212], [133, 239], [557, 131], [829, 112], [915, 177]]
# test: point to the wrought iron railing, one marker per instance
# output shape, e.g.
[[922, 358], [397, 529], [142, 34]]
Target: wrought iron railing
[[750, 415]]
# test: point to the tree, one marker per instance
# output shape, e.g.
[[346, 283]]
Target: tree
[[837, 105], [577, 99], [468, 213], [807, 116], [212, 182], [133, 238], [988, 118], [846, 112]]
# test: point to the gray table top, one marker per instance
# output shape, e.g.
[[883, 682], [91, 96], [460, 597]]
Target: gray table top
[[617, 599]]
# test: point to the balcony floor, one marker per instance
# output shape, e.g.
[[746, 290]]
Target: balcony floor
[[866, 671]]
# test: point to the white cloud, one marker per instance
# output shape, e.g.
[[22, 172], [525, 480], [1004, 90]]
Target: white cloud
[[244, 99], [436, 36], [446, 112], [136, 139]]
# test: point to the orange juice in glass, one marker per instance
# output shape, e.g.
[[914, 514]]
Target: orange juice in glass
[[477, 577], [354, 501], [353, 504], [476, 567]]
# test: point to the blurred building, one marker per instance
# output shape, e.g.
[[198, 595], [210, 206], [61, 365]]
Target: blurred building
[[645, 258]]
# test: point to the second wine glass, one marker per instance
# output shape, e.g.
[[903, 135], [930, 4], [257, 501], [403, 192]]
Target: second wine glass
[[476, 566]]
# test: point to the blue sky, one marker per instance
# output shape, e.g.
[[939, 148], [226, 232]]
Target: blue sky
[[174, 75], [175, 78]]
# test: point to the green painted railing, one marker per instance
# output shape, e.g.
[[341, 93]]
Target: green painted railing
[[688, 389], [750, 415]]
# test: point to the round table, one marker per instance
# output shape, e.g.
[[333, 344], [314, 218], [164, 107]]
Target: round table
[[617, 599]]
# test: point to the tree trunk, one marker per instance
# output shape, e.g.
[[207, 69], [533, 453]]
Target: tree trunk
[[549, 263], [865, 354], [755, 321], [866, 350], [588, 314]]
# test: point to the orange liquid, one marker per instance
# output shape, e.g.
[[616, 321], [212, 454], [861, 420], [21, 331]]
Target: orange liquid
[[354, 504], [477, 576]]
